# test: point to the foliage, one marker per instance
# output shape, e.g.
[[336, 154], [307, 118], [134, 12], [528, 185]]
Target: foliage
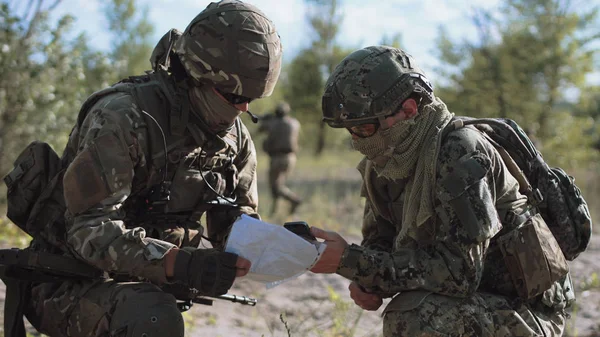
[[311, 68], [592, 282], [345, 320], [44, 79], [132, 36], [522, 66]]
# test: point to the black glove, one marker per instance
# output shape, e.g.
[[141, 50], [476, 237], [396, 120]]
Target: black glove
[[209, 271]]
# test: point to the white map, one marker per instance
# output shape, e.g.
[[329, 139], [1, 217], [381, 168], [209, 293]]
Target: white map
[[277, 255]]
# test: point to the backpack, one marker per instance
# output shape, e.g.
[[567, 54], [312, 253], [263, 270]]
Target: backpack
[[35, 193], [557, 225], [35, 200]]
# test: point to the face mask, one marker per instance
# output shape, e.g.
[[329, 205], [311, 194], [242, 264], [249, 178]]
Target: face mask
[[380, 146], [217, 113]]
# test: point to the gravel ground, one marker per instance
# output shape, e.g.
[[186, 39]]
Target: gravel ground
[[319, 305]]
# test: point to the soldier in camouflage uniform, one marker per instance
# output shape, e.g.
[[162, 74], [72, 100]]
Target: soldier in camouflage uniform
[[148, 157], [434, 210], [281, 145]]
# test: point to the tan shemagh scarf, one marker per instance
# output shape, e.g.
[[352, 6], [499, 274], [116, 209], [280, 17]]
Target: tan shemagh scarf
[[410, 149], [215, 111]]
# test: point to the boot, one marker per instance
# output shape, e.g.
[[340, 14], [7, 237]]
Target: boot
[[294, 206]]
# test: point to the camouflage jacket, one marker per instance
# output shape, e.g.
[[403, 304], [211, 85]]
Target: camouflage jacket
[[282, 134], [454, 254], [117, 161]]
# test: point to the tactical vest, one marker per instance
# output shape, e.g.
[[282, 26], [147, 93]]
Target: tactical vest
[[35, 198], [35, 191], [529, 245], [182, 179], [282, 135]]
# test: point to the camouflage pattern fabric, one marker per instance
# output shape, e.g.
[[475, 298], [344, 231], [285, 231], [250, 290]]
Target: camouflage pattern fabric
[[480, 315], [369, 84], [282, 134], [281, 144], [449, 263], [115, 133], [104, 308], [233, 46], [114, 163], [279, 168]]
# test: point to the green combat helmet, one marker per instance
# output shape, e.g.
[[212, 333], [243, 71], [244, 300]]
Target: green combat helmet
[[282, 109], [369, 85], [233, 46]]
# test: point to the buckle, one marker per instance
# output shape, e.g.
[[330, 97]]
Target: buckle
[[14, 175], [458, 124]]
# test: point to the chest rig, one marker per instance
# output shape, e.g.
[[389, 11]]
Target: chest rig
[[187, 171]]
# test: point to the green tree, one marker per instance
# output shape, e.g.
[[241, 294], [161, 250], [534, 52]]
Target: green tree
[[309, 71], [44, 77], [589, 106], [561, 30], [131, 36], [393, 40], [521, 67]]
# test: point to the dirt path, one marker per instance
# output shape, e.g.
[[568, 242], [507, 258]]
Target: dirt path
[[319, 305], [310, 312]]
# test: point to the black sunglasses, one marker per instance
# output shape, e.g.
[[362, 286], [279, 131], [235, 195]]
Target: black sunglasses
[[233, 98]]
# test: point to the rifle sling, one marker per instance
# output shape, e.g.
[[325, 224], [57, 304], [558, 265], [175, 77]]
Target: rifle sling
[[17, 295], [20, 268], [42, 263]]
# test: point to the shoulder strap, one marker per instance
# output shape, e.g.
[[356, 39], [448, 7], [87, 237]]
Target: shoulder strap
[[525, 186], [96, 96]]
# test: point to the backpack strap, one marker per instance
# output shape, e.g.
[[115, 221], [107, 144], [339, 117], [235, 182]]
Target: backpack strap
[[95, 97], [524, 185], [44, 266], [20, 268], [17, 295]]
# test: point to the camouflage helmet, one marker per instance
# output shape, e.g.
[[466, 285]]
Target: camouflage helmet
[[233, 46], [283, 108], [370, 84]]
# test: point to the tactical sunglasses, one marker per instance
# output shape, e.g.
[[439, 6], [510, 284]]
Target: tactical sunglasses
[[363, 130], [233, 98]]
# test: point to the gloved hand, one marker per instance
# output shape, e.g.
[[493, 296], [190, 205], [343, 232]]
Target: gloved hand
[[209, 271]]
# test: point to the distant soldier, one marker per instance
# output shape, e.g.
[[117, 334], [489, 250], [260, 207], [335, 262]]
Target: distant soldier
[[281, 145]]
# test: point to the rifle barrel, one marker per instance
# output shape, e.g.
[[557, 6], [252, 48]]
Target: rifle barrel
[[245, 300]]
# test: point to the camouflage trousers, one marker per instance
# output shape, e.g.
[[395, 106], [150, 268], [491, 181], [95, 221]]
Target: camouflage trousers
[[104, 308], [482, 315], [281, 165]]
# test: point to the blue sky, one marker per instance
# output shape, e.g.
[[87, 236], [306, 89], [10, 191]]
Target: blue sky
[[365, 22]]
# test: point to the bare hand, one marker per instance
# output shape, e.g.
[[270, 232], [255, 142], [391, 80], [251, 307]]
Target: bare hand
[[243, 266], [330, 259], [364, 299]]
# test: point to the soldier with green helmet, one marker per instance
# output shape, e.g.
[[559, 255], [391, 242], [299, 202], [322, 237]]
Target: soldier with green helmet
[[435, 206], [281, 144], [146, 160]]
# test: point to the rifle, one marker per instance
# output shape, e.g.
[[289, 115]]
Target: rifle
[[25, 265], [186, 297], [208, 300]]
